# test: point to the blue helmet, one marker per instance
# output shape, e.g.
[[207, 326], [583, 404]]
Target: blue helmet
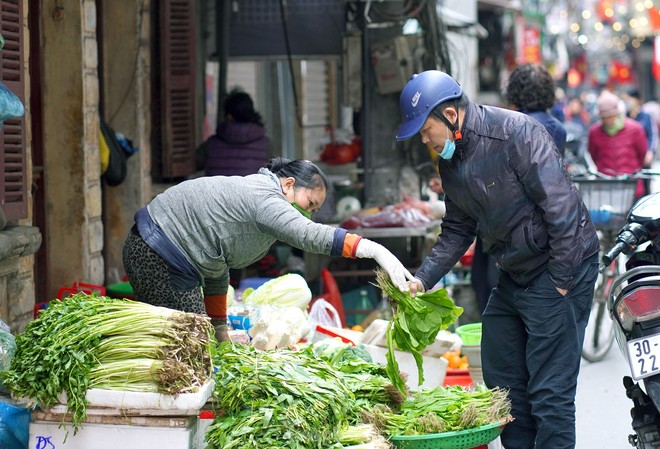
[[420, 96]]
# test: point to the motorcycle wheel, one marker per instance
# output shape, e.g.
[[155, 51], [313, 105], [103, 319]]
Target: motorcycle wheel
[[599, 334]]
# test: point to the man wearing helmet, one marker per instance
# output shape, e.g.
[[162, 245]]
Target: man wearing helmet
[[504, 179]]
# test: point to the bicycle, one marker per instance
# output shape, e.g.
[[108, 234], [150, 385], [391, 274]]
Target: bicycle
[[608, 199]]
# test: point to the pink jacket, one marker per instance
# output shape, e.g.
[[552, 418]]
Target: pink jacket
[[620, 154]]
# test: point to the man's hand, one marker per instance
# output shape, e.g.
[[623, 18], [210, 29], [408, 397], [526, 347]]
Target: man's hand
[[435, 184], [415, 286]]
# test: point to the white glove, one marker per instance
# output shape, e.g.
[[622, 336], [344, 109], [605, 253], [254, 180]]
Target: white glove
[[397, 272]]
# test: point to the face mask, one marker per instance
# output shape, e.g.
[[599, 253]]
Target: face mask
[[615, 127], [448, 150], [305, 213]]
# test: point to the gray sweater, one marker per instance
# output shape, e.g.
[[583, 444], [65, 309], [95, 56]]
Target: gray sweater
[[221, 222]]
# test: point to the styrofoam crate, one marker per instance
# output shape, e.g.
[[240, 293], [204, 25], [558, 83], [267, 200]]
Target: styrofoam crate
[[109, 402], [435, 368], [114, 432]]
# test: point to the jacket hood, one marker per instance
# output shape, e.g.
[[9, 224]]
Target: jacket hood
[[239, 133]]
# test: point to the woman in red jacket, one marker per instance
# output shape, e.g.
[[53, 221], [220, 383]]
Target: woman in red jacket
[[617, 144]]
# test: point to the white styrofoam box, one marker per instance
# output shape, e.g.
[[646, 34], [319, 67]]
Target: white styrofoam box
[[435, 368], [444, 341], [109, 402], [322, 332], [112, 434], [374, 334]]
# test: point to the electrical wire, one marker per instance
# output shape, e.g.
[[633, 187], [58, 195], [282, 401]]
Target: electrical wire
[[135, 64], [290, 61]]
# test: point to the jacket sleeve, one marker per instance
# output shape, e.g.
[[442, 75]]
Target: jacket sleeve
[[457, 234], [545, 180]]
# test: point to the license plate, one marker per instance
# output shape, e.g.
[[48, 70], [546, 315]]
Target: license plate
[[644, 356]]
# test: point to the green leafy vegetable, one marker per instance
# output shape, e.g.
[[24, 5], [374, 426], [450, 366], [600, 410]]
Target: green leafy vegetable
[[443, 409], [415, 324], [91, 341]]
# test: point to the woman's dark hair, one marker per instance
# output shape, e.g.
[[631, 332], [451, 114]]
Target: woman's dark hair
[[530, 88], [240, 106], [306, 173]]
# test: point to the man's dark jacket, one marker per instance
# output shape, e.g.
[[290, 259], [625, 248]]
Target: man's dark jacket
[[507, 181]]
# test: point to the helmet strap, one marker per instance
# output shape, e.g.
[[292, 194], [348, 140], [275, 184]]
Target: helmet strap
[[458, 135]]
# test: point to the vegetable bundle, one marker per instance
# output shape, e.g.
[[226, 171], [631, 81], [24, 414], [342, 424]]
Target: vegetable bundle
[[290, 399], [443, 409], [276, 399], [92, 341], [415, 324]]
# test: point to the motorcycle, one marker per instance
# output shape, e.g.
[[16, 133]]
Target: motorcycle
[[634, 306]]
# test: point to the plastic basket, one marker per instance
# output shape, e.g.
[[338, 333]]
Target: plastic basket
[[460, 439], [608, 200], [470, 334]]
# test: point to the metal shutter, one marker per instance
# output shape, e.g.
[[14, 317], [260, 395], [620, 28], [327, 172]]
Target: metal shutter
[[177, 62], [13, 172]]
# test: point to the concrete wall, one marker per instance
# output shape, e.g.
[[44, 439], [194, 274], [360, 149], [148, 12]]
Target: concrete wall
[[71, 156], [125, 105]]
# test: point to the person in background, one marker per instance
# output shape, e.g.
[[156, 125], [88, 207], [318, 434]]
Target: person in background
[[577, 113], [531, 90], [617, 144], [558, 106], [634, 110], [190, 235], [239, 146], [505, 180]]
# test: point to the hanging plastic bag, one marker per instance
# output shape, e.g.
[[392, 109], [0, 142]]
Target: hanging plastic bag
[[10, 105], [7, 350], [323, 313], [113, 156]]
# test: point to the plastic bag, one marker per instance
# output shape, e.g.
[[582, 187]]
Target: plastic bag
[[115, 170], [7, 346], [7, 351], [14, 426], [10, 105], [323, 313]]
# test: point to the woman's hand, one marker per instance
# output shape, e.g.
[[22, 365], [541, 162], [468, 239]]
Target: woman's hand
[[395, 269]]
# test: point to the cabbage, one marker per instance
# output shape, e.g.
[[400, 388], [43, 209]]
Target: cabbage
[[231, 296], [289, 290]]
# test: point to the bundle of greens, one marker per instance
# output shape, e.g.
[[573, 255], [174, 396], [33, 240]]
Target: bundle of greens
[[362, 436], [367, 380], [92, 341], [276, 399], [415, 324], [443, 409]]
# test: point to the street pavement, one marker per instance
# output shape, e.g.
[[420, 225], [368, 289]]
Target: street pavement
[[603, 410]]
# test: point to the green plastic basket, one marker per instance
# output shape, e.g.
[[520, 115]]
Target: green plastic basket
[[470, 334], [460, 439]]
